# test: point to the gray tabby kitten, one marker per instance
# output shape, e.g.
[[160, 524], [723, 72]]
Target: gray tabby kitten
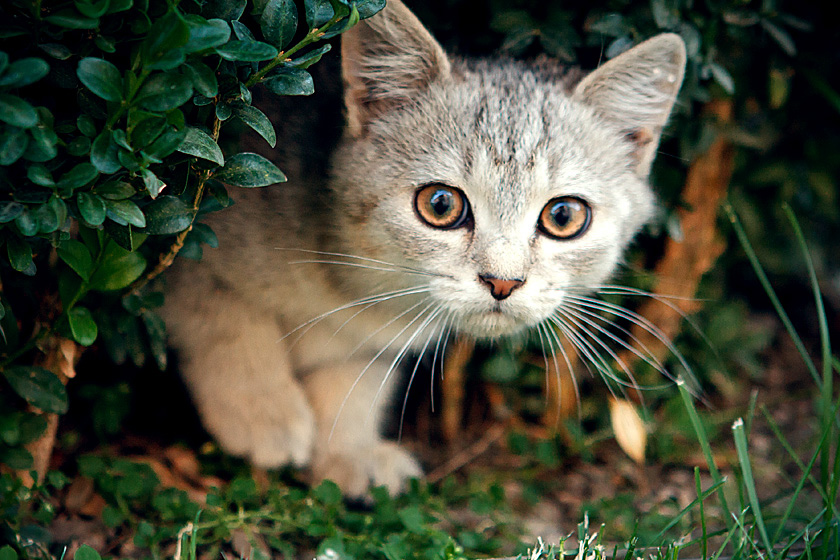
[[465, 196]]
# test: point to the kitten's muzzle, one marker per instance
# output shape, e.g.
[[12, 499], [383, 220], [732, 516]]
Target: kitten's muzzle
[[500, 288]]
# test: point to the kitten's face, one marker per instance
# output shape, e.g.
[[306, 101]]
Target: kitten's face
[[506, 189], [463, 186]]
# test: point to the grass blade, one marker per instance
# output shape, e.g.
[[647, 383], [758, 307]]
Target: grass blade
[[698, 500], [744, 459], [707, 449], [704, 537], [771, 293]]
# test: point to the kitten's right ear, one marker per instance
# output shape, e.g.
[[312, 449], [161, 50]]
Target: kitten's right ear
[[637, 90], [386, 60]]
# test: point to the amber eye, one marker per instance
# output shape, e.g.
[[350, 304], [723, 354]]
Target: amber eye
[[566, 217], [441, 206]]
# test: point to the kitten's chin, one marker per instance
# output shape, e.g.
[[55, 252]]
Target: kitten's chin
[[490, 325]]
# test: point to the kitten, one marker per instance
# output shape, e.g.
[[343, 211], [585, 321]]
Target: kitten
[[465, 196]]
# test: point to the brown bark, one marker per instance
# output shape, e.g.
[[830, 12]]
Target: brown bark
[[60, 357]]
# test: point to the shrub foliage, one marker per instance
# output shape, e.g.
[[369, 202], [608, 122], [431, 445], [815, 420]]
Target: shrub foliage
[[111, 113]]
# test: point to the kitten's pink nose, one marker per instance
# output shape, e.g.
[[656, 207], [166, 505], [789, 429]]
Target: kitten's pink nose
[[500, 288]]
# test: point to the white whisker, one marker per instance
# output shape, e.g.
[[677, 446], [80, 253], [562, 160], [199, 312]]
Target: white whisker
[[377, 298], [376, 357], [578, 321], [366, 267], [551, 331], [414, 373], [401, 354], [637, 319], [366, 259], [386, 325], [648, 357]]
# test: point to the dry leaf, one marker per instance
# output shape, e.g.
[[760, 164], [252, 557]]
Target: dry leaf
[[630, 432]]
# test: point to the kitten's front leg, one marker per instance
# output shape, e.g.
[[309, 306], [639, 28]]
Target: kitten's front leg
[[237, 368], [349, 449]]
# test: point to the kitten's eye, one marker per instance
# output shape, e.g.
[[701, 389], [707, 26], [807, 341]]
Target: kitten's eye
[[566, 217], [441, 206]]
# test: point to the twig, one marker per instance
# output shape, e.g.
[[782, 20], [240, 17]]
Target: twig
[[467, 455]]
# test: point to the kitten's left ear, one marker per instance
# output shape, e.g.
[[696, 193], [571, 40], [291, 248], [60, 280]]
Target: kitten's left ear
[[386, 60], [637, 90]]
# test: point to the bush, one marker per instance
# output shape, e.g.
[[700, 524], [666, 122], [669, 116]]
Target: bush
[[111, 113]]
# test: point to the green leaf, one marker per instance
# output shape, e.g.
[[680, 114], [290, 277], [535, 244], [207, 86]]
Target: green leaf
[[85, 552], [79, 176], [206, 34], [249, 170], [327, 493], [43, 146], [167, 34], [105, 44], [9, 210], [91, 207], [780, 35], [104, 154], [227, 10], [279, 21], [120, 6], [92, 9], [257, 120], [156, 330], [723, 77], [125, 212], [203, 78], [203, 233], [128, 237], [19, 252], [39, 387], [199, 144], [153, 184], [8, 553], [145, 131], [17, 112], [32, 426], [51, 215], [101, 77], [246, 51], [79, 146], [368, 8], [40, 175], [13, 144], [317, 12], [291, 81], [72, 20], [76, 255], [117, 269], [27, 223], [167, 215], [242, 32], [82, 326], [115, 190], [16, 458], [24, 72], [164, 91], [166, 143]]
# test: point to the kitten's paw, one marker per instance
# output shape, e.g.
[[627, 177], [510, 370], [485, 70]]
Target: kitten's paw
[[385, 464], [268, 435]]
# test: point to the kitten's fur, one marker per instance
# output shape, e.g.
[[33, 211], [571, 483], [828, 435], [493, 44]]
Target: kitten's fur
[[511, 136]]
